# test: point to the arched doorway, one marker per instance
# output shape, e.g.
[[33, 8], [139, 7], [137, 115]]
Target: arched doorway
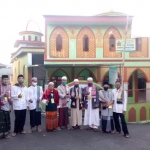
[[137, 81], [85, 73], [56, 77]]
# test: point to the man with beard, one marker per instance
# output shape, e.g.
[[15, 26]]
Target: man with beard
[[107, 100], [119, 109], [91, 105], [19, 95]]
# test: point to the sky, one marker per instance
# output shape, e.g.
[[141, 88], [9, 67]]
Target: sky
[[14, 15]]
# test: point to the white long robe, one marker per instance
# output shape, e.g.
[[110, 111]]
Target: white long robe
[[76, 114], [91, 116], [32, 91]]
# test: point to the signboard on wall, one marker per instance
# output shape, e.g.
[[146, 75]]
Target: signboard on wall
[[113, 74], [130, 45]]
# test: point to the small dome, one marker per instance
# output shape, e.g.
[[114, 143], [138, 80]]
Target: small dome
[[32, 26]]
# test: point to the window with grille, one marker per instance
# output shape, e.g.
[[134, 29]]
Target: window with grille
[[85, 43], [112, 43], [58, 42]]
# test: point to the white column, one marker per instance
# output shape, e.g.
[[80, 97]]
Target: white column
[[29, 57], [126, 87], [147, 91]]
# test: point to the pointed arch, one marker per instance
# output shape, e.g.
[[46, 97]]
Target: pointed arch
[[91, 53], [59, 69], [64, 52], [90, 72], [111, 32], [138, 69]]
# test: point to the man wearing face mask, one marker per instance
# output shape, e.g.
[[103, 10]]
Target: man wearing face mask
[[64, 97], [107, 100], [76, 105], [91, 105], [35, 93], [19, 95], [119, 109]]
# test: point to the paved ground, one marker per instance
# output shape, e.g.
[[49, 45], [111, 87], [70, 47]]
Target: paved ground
[[78, 139]]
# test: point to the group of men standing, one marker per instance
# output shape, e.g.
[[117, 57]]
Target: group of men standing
[[112, 105]]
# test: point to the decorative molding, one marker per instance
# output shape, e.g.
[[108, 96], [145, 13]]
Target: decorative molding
[[72, 34], [99, 38]]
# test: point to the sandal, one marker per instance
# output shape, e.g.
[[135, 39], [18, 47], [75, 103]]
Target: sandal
[[6, 136], [89, 128], [117, 132], [72, 128], [95, 130], [14, 134], [127, 136], [30, 131], [79, 127], [112, 132], [23, 132], [38, 130]]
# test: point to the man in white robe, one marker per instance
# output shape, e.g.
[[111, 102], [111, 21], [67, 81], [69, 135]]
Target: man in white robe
[[35, 95], [19, 95], [91, 105]]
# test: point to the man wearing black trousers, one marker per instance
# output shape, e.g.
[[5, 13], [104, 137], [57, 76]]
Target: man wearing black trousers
[[119, 109], [19, 95]]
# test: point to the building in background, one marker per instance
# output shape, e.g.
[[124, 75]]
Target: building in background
[[79, 47], [30, 51]]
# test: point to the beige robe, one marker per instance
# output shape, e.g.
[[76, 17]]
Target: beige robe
[[76, 116]]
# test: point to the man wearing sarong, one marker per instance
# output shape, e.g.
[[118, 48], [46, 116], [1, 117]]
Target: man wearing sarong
[[119, 109], [64, 97], [107, 100], [76, 105], [35, 94], [19, 95], [52, 99], [91, 105], [5, 108]]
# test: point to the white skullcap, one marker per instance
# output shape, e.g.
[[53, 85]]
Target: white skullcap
[[50, 83], [89, 79], [34, 78], [64, 78], [76, 80]]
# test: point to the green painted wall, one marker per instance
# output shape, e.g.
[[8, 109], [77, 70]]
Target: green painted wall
[[138, 107]]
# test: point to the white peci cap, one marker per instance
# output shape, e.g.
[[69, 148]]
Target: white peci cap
[[76, 80], [89, 79], [50, 83], [64, 78]]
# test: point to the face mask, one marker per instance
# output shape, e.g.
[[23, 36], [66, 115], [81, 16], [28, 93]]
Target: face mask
[[105, 88], [20, 82], [77, 85], [64, 83], [34, 83], [90, 84]]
